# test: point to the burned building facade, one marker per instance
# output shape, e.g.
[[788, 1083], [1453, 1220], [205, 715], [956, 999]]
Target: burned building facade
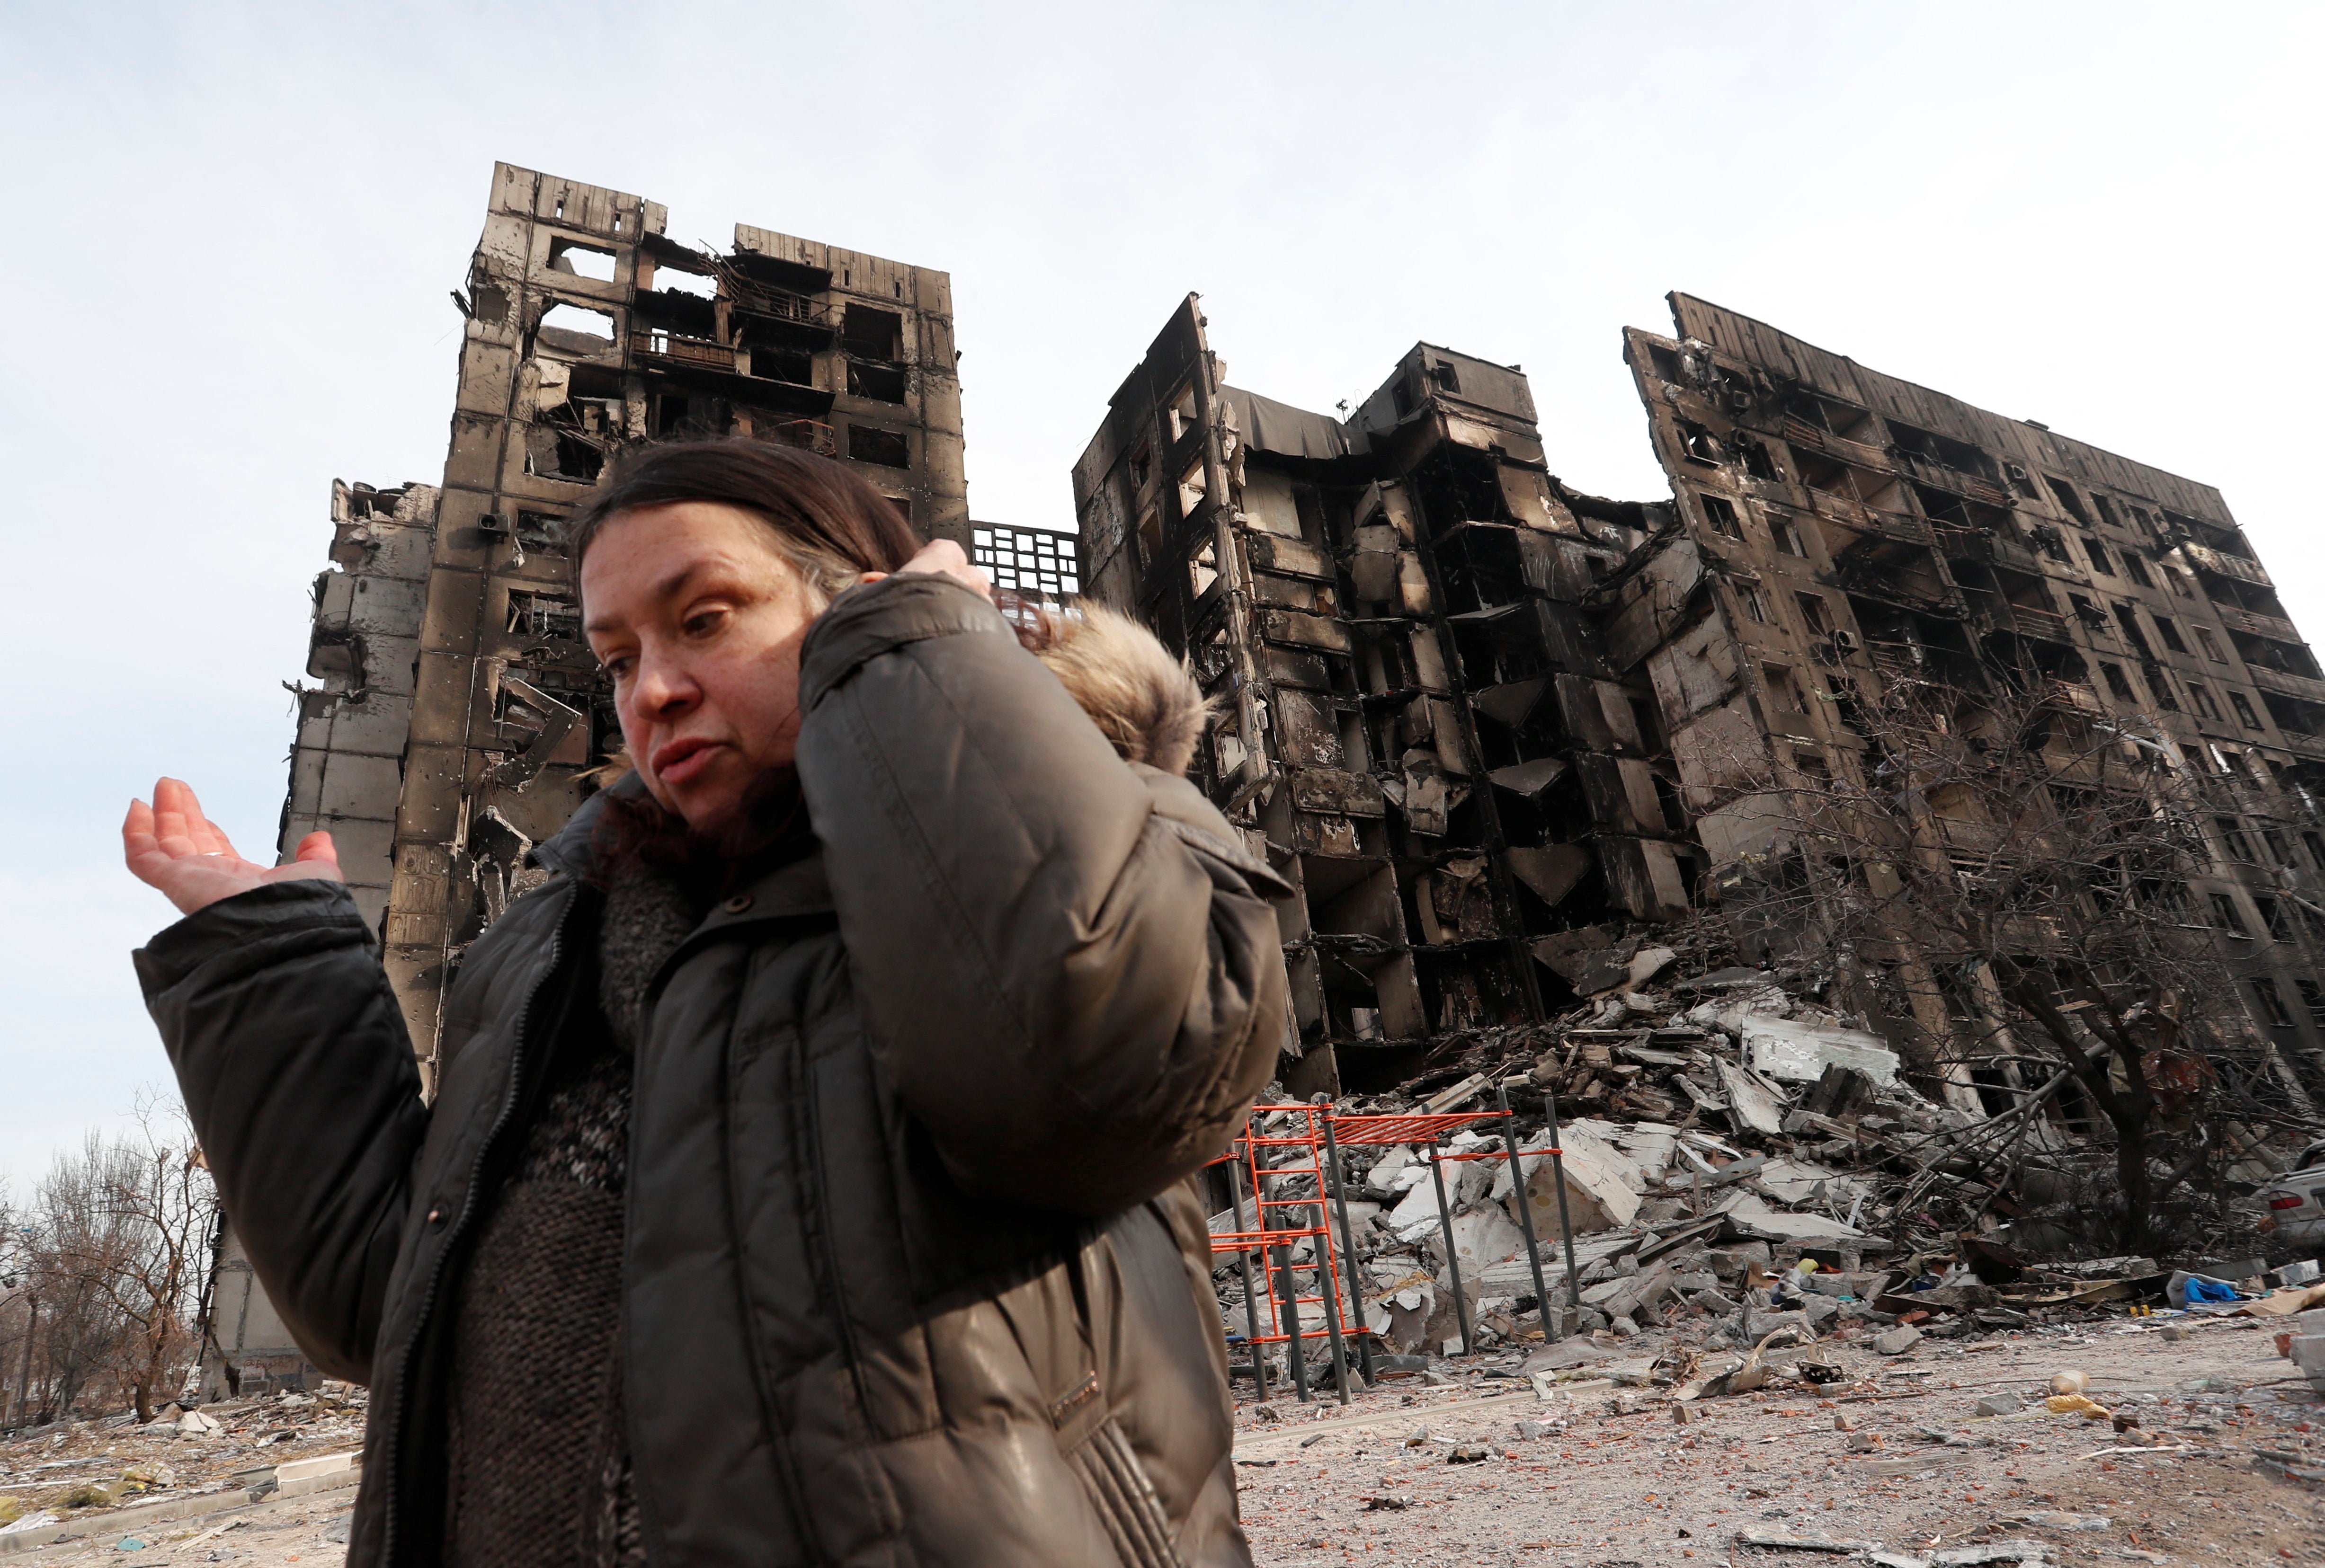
[[1479, 720], [1415, 721], [1840, 532], [460, 713]]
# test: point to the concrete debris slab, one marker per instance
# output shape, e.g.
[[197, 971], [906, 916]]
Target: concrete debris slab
[[1800, 1053]]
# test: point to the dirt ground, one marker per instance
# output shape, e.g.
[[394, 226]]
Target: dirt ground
[[1610, 1480], [310, 1531], [1614, 1481]]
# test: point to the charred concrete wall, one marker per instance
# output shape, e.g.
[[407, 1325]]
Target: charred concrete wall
[[461, 712], [1417, 723], [1838, 529], [1477, 717]]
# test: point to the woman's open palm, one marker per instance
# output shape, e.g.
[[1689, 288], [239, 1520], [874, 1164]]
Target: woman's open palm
[[172, 846]]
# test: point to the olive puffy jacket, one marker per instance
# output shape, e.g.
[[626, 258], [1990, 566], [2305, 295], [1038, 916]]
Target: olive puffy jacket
[[912, 1273]]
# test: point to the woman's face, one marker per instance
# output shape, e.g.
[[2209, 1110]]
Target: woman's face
[[698, 621]]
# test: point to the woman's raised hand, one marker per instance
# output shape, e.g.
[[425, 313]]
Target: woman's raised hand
[[945, 559], [172, 846]]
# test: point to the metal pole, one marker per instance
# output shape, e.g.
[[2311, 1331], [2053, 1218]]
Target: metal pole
[[1348, 1254], [1325, 1288], [1250, 1299], [1565, 1221], [1453, 1263], [1525, 1208], [1289, 1306]]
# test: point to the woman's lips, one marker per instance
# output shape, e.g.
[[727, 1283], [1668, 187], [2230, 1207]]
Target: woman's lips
[[681, 761]]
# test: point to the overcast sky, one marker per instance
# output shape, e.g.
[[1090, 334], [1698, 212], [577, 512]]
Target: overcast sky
[[237, 225]]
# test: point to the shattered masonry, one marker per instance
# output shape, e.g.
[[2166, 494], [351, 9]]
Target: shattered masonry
[[1466, 710], [459, 707]]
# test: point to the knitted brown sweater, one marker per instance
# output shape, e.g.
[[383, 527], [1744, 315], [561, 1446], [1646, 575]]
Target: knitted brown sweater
[[537, 1456]]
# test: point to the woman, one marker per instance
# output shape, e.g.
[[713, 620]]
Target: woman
[[805, 1185]]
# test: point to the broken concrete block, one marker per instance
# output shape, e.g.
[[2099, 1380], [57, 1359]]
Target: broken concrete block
[[1898, 1340], [1481, 1236], [2000, 1404], [1750, 1101], [1799, 1052], [1602, 1187]]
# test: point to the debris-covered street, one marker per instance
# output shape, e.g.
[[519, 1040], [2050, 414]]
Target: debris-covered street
[[1593, 1469]]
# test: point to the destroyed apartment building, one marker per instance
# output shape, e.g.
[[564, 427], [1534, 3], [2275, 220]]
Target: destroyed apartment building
[[459, 708], [1479, 719], [1491, 730]]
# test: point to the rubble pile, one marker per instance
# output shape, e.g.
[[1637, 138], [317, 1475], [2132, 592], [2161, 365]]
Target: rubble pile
[[69, 1470], [1735, 1156]]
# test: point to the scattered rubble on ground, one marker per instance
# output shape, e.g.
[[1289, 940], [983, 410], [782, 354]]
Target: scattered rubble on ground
[[1735, 1155], [82, 1471], [1945, 1456]]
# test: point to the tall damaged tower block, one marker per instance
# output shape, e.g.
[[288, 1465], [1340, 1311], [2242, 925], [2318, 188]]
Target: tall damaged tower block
[[460, 714], [1416, 720]]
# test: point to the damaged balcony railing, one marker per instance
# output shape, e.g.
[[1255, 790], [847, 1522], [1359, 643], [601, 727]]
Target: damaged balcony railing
[[676, 346], [1308, 1146]]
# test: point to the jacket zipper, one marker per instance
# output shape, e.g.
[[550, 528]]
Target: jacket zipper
[[459, 1223]]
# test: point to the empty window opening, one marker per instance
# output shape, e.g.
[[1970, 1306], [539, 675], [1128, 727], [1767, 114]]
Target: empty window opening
[[1720, 513], [889, 448], [2073, 503], [1787, 537], [580, 261], [1814, 611], [2098, 552], [1696, 443], [2135, 567], [1813, 766], [1142, 463], [2226, 916], [882, 383], [2313, 998], [794, 366], [1203, 571], [671, 279], [2272, 1003], [1192, 485], [2170, 634], [868, 332], [2116, 683], [576, 329], [540, 533], [2272, 917], [2129, 622], [2245, 714], [546, 615], [1756, 604], [2211, 647], [2203, 701], [1442, 376]]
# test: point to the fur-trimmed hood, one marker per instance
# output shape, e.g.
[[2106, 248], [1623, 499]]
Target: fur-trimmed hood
[[1140, 698]]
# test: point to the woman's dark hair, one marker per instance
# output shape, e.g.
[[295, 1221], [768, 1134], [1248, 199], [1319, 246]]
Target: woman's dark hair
[[828, 522]]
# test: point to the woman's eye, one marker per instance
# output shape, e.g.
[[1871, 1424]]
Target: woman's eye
[[703, 622]]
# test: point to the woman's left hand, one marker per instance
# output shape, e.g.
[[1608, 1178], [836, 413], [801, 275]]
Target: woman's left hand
[[943, 558]]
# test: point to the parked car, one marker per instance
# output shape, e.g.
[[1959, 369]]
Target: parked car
[[2296, 1199]]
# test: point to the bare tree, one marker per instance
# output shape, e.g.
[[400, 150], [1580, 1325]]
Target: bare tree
[[123, 1231], [2005, 875]]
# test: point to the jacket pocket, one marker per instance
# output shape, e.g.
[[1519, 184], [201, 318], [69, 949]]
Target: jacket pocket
[[1114, 1481]]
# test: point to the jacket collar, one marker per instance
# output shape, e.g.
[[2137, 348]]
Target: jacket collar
[[796, 886]]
